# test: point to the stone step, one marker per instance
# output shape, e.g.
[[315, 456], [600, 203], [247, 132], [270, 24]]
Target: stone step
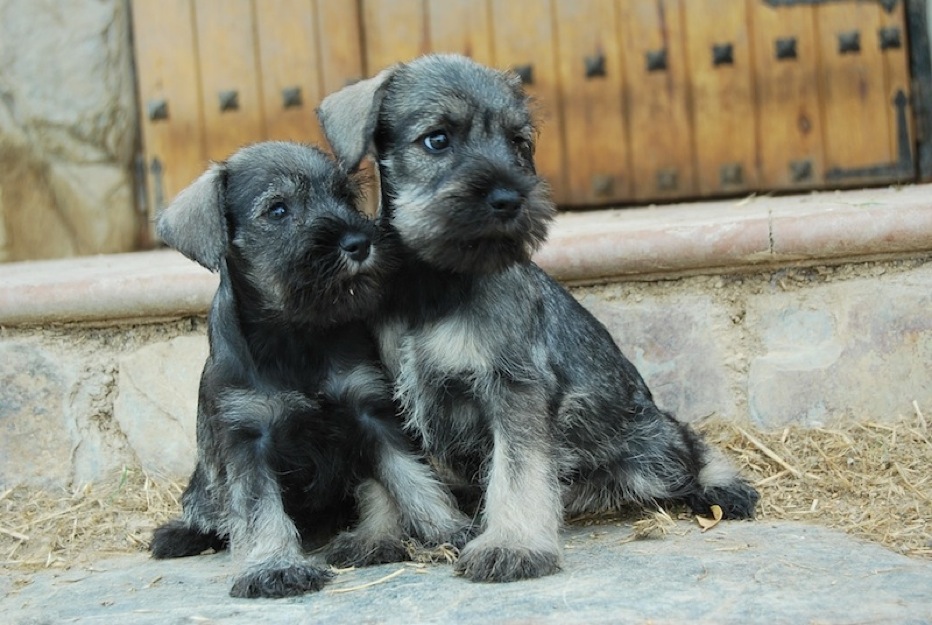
[[740, 573]]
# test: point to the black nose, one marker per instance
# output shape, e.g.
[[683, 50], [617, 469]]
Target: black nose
[[505, 203], [356, 245]]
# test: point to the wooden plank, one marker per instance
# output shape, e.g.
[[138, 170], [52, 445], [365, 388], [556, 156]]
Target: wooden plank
[[790, 136], [897, 78], [657, 100], [288, 55], [395, 30], [227, 51], [166, 70], [460, 26], [723, 96], [854, 98], [339, 39], [598, 170], [522, 35]]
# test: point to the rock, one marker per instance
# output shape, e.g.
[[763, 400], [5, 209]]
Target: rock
[[156, 407], [844, 348], [35, 436], [674, 345], [67, 129]]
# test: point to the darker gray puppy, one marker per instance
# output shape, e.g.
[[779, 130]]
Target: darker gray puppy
[[507, 380], [296, 426]]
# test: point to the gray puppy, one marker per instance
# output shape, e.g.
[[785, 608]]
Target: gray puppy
[[507, 380], [295, 416]]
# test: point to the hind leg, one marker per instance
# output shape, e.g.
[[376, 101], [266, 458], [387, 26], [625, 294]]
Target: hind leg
[[720, 484], [196, 530], [657, 458]]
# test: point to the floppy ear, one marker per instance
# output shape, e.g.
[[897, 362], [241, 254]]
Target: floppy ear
[[348, 117], [194, 224]]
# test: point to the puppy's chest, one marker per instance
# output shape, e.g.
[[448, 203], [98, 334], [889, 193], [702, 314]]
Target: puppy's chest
[[440, 371], [449, 347]]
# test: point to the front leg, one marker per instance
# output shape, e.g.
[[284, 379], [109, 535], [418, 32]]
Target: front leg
[[263, 538], [522, 510], [404, 501]]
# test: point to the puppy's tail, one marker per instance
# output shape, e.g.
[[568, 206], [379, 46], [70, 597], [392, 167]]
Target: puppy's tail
[[719, 483]]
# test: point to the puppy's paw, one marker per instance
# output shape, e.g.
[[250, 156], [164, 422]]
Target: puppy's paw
[[177, 540], [351, 549], [738, 500], [279, 581], [505, 564]]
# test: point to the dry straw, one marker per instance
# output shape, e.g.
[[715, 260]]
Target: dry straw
[[870, 479]]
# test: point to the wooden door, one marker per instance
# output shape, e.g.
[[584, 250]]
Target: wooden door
[[214, 75], [638, 100]]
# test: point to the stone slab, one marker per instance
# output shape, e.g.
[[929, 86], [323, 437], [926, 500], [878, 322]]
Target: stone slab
[[737, 573]]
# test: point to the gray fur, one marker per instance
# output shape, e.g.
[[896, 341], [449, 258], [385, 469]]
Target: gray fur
[[507, 380]]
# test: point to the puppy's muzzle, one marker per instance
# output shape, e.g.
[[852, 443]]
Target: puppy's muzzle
[[356, 246]]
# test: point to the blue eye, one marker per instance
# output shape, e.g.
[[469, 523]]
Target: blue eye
[[436, 142], [278, 210]]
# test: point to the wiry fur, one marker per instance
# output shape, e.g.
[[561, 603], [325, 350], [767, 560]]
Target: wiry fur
[[506, 379], [294, 409]]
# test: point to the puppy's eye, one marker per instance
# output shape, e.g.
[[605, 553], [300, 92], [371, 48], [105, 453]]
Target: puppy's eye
[[278, 210], [436, 141], [524, 146]]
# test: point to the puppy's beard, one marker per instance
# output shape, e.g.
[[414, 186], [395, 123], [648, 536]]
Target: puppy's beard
[[461, 234]]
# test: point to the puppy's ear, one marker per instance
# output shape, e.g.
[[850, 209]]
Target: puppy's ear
[[348, 117], [194, 224]]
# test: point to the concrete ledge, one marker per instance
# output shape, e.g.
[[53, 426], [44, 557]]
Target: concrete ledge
[[584, 247], [109, 288], [739, 234]]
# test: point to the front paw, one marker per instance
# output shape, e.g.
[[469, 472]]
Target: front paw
[[352, 549], [276, 582], [495, 563]]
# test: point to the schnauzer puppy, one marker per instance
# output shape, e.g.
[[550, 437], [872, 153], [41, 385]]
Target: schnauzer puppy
[[294, 410], [506, 379]]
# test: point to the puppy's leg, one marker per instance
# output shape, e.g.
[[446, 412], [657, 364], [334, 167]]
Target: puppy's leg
[[522, 511], [377, 538], [657, 458], [719, 482], [262, 536], [266, 541], [427, 508], [198, 527], [405, 501]]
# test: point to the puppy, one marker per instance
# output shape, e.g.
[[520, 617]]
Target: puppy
[[507, 380], [295, 413]]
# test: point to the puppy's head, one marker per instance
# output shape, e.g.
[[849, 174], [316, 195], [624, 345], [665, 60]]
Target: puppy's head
[[279, 221], [454, 142]]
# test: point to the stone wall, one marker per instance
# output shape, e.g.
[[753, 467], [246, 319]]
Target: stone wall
[[67, 129], [791, 346]]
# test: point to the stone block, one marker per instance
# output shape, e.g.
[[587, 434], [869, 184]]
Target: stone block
[[858, 348], [156, 405], [36, 439], [675, 342]]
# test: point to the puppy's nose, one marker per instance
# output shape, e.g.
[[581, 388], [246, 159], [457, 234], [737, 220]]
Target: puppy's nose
[[505, 203], [356, 245]]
